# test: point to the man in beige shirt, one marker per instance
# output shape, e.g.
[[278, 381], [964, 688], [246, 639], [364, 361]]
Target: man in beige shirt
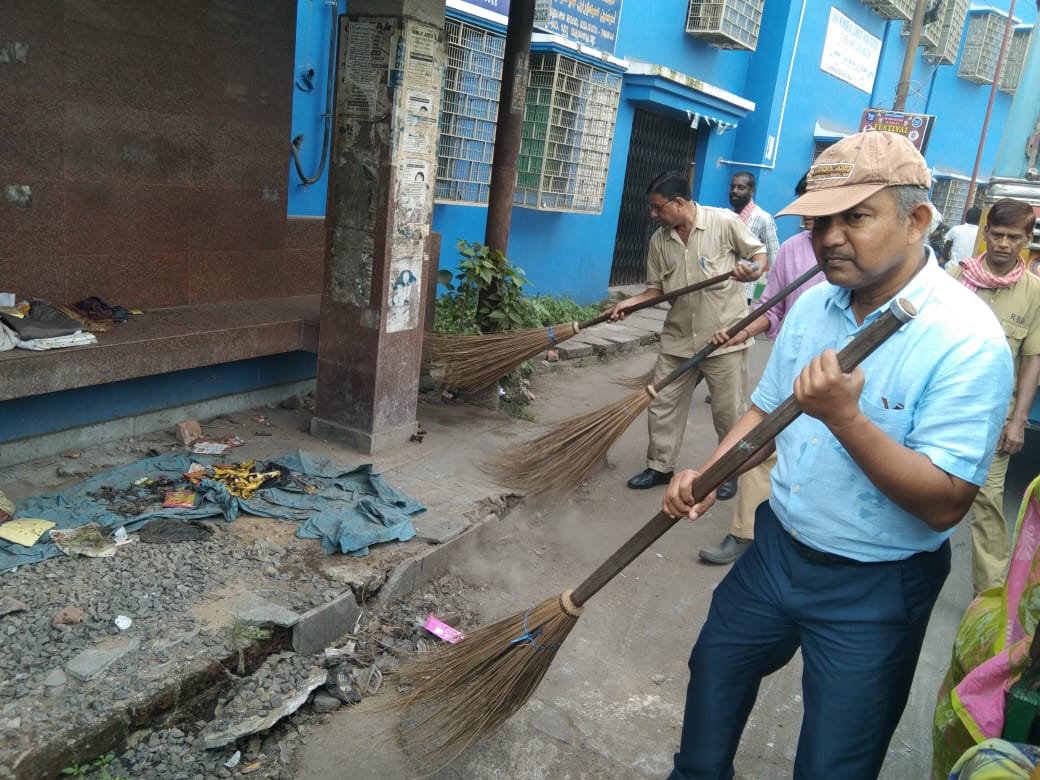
[[693, 243], [999, 277]]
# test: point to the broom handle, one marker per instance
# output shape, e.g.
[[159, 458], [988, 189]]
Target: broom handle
[[899, 312], [736, 327], [666, 297]]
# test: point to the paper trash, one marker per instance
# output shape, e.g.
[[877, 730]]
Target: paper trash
[[25, 530]]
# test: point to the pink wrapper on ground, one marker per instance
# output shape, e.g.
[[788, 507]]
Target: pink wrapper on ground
[[443, 630]]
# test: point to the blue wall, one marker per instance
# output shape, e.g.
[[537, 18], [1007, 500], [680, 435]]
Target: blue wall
[[313, 20], [39, 414], [571, 253]]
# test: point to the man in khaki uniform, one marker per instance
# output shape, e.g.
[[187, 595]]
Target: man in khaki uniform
[[1000, 278], [693, 243]]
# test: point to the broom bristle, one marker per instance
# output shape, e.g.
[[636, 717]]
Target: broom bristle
[[636, 381], [561, 459], [472, 363], [457, 693]]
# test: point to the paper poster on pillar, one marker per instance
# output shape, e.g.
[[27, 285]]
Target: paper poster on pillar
[[422, 69], [405, 294], [413, 194], [420, 127], [363, 70]]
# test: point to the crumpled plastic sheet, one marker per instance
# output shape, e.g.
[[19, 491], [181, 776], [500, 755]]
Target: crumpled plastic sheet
[[349, 510]]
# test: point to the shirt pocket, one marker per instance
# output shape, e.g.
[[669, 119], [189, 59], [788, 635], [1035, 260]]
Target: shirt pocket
[[894, 421], [1015, 333]]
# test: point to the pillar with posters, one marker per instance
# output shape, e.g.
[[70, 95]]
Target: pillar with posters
[[378, 219]]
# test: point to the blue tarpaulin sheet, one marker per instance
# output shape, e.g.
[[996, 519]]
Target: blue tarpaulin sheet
[[349, 510]]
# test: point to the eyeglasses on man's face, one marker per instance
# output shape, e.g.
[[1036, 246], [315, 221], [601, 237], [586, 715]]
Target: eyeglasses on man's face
[[652, 207]]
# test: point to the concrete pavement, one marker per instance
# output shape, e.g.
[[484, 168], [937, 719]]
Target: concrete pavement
[[611, 705]]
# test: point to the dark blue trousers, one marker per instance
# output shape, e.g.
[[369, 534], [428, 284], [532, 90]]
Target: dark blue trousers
[[860, 627]]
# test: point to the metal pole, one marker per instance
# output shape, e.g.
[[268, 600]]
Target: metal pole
[[912, 42], [1008, 24], [510, 117]]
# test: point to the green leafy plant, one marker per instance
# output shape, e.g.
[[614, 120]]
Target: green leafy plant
[[100, 763], [242, 633], [485, 293]]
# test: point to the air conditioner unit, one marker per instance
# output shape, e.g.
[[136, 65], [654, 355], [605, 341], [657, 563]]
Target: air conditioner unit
[[726, 24], [892, 9]]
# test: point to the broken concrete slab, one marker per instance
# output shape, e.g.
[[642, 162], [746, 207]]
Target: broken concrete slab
[[323, 625], [252, 608], [211, 739], [89, 664]]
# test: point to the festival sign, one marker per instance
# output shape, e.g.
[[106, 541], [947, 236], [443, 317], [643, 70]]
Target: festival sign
[[916, 128]]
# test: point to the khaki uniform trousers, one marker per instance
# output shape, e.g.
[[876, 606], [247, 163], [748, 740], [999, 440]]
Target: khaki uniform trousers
[[990, 540], [752, 489], [668, 412]]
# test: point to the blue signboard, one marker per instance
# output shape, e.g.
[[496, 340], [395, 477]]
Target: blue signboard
[[495, 6], [591, 22]]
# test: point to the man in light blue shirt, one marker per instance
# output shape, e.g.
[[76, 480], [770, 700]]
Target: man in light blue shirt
[[851, 550]]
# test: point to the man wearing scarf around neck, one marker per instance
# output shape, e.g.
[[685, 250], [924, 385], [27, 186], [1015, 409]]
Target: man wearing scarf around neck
[[1000, 278]]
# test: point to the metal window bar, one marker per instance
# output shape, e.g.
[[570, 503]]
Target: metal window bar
[[949, 196], [981, 47], [1014, 59], [469, 110], [725, 24], [941, 39], [892, 9], [566, 134]]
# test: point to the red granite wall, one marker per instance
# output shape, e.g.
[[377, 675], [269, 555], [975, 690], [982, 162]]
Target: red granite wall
[[144, 152]]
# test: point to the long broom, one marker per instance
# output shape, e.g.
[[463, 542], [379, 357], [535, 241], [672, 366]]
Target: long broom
[[471, 363], [457, 693], [559, 460]]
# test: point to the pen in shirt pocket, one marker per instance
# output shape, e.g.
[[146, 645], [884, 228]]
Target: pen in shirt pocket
[[884, 402]]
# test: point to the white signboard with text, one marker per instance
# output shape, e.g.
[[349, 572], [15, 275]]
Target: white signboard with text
[[849, 52]]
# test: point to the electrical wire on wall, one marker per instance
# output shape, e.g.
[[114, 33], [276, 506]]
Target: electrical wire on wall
[[304, 81]]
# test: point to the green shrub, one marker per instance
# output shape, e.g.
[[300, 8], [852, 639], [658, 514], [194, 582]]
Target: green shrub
[[483, 296], [486, 294]]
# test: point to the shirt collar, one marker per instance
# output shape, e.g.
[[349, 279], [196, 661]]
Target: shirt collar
[[918, 290]]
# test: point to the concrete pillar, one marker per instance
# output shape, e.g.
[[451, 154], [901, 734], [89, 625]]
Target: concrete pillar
[[380, 208]]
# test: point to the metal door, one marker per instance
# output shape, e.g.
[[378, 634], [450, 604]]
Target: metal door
[[658, 144]]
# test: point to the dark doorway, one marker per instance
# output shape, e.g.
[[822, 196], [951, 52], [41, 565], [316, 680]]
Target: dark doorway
[[658, 144]]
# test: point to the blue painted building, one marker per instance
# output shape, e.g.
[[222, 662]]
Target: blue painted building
[[763, 88]]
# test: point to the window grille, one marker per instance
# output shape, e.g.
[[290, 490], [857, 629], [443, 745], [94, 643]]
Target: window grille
[[982, 47], [950, 196], [566, 135], [892, 9], [819, 147], [469, 112], [941, 39], [726, 24], [1014, 59]]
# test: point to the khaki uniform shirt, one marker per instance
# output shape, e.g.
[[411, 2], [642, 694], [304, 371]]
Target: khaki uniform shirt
[[718, 240], [1018, 309]]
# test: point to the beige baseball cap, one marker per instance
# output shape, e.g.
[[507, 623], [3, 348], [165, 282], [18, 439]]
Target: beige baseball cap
[[855, 168]]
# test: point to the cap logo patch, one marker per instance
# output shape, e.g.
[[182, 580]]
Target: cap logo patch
[[823, 171]]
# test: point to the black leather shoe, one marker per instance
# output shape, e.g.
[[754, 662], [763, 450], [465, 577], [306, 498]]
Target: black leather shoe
[[726, 490], [732, 547], [650, 478]]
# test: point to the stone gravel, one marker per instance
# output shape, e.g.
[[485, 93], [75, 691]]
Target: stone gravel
[[157, 586]]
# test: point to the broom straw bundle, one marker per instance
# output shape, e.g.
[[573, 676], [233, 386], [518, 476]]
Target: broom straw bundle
[[561, 459], [457, 693], [472, 363]]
